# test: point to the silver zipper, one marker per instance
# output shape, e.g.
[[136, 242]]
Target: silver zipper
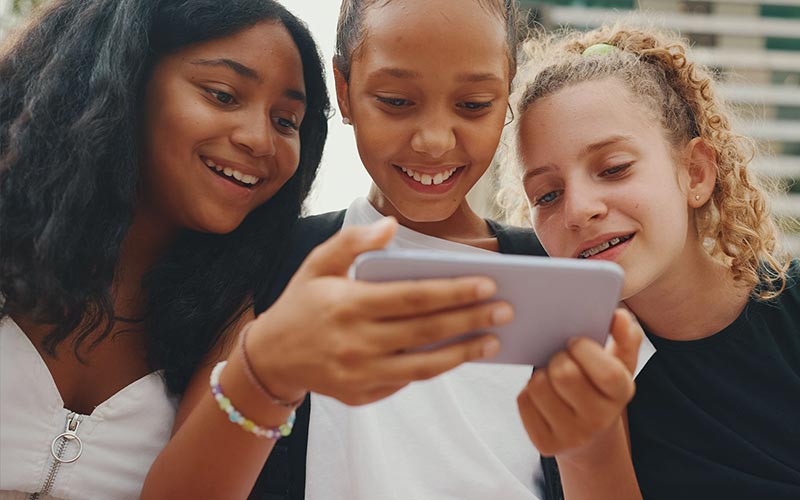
[[57, 448]]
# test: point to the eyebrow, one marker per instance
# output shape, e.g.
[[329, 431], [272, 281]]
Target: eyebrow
[[248, 73], [529, 174], [407, 74], [238, 67], [597, 146], [591, 148]]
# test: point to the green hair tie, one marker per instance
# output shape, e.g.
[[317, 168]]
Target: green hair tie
[[599, 49]]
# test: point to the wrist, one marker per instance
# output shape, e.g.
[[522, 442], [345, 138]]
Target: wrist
[[613, 439], [260, 382]]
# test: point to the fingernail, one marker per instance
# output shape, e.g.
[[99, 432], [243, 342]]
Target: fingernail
[[502, 314], [490, 348], [485, 289]]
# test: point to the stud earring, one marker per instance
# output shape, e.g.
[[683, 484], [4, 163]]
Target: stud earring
[[697, 197], [346, 120]]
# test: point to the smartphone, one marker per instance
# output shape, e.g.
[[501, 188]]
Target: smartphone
[[553, 298]]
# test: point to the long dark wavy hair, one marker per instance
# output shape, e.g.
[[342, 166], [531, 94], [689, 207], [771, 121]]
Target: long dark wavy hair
[[71, 91]]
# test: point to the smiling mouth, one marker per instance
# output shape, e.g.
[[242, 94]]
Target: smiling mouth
[[428, 179], [232, 175], [602, 247]]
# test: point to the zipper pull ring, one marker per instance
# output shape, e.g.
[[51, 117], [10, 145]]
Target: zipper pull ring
[[70, 434]]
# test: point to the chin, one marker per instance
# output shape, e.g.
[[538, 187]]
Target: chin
[[218, 226], [420, 213]]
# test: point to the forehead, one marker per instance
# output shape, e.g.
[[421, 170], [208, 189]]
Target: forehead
[[448, 34], [582, 114], [267, 48]]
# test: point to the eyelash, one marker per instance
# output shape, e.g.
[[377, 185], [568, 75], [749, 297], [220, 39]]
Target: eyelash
[[615, 171], [217, 94], [475, 106], [286, 123], [399, 102], [394, 102], [538, 202]]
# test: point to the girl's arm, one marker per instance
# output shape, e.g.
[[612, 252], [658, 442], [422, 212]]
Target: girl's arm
[[574, 409], [327, 334]]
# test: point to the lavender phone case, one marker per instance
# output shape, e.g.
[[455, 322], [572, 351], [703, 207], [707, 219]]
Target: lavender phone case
[[553, 299]]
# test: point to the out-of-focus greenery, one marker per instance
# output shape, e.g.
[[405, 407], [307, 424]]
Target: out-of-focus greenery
[[21, 7]]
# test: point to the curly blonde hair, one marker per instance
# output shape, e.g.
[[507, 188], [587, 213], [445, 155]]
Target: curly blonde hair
[[735, 224]]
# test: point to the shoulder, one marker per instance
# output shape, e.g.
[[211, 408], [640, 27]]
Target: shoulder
[[516, 240], [306, 234], [318, 227]]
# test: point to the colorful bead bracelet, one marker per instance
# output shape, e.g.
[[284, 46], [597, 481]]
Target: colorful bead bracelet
[[239, 419]]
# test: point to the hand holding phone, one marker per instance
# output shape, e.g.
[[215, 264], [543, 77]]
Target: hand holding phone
[[553, 299]]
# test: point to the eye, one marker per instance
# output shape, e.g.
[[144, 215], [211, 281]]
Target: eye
[[222, 97], [616, 170], [546, 199], [287, 123], [395, 102], [475, 106]]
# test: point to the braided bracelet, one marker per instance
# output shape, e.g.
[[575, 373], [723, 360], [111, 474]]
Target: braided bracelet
[[248, 369], [239, 419]]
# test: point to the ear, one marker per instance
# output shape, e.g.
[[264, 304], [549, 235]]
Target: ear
[[342, 91], [701, 165]]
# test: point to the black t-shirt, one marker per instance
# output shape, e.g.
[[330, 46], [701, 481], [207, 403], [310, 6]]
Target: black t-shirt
[[719, 417]]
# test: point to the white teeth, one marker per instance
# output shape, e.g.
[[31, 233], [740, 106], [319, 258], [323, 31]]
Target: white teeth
[[603, 247], [231, 172], [427, 179]]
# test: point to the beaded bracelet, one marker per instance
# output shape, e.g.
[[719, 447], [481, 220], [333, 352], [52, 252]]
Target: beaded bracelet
[[239, 419]]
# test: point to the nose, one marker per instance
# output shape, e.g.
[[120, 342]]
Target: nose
[[435, 135], [256, 136], [583, 204]]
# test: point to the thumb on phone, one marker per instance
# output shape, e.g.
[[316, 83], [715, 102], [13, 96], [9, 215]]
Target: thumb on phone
[[334, 257], [626, 337]]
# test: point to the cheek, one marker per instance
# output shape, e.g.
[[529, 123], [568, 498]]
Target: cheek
[[482, 137], [290, 158], [550, 234], [375, 142]]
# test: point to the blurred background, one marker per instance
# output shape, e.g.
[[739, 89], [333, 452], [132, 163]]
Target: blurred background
[[752, 45]]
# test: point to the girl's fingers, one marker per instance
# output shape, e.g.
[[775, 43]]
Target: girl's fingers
[[553, 409], [399, 299], [535, 425], [420, 332], [576, 390], [334, 257], [626, 337], [607, 373], [405, 367]]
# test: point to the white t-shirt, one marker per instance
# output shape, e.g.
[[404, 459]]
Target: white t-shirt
[[457, 436]]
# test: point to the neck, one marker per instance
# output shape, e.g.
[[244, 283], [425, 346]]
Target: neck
[[146, 242], [695, 300], [462, 226]]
